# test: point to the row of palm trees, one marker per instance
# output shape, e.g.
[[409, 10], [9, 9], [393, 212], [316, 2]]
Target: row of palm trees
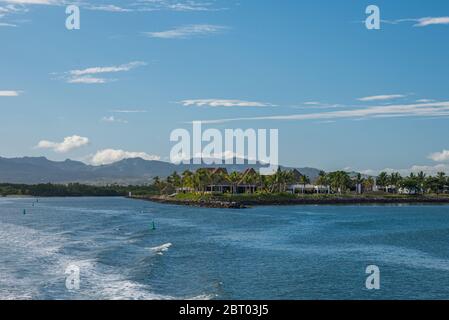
[[420, 182], [203, 178], [279, 182], [336, 182]]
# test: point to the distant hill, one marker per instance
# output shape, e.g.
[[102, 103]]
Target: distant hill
[[30, 170]]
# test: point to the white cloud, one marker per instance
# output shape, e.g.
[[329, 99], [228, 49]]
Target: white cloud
[[4, 24], [429, 170], [428, 21], [99, 70], [223, 103], [218, 156], [129, 111], [112, 119], [178, 5], [421, 22], [312, 103], [108, 156], [9, 93], [442, 156], [381, 97], [109, 8], [90, 75], [433, 109], [188, 31], [42, 2], [88, 80], [69, 143]]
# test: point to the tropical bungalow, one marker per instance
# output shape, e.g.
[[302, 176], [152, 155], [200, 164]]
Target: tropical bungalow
[[218, 183], [301, 184], [248, 183], [308, 188], [217, 180]]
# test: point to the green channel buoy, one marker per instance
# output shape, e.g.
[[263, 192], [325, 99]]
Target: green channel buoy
[[154, 226]]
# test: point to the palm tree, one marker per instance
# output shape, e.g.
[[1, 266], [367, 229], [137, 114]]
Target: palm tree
[[234, 179], [158, 184], [339, 181], [410, 183], [395, 179], [187, 179], [368, 183], [176, 180], [304, 180], [442, 181], [323, 179], [202, 179], [382, 180], [421, 179], [359, 182]]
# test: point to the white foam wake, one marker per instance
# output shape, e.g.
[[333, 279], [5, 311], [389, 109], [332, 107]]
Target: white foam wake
[[161, 249]]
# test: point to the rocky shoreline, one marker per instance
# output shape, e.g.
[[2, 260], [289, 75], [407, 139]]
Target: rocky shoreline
[[242, 204], [201, 203]]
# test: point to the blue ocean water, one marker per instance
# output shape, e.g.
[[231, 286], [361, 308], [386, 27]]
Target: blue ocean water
[[300, 252]]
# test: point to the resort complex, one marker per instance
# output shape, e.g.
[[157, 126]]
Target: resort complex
[[220, 181]]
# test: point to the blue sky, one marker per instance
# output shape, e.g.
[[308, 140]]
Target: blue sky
[[341, 96]]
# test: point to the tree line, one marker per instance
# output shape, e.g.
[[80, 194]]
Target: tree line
[[420, 182], [73, 190], [337, 181]]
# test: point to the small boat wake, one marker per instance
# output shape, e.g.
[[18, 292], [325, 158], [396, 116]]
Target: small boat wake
[[161, 249]]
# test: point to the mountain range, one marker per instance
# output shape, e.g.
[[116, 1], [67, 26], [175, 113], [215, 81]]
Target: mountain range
[[34, 170]]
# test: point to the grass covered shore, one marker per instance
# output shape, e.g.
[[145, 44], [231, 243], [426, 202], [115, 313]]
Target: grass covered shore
[[237, 201]]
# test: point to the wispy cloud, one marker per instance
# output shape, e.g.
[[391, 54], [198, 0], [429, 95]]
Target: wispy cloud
[[91, 75], [312, 103], [224, 103], [88, 80], [186, 32], [97, 70], [108, 156], [5, 24], [178, 5], [109, 8], [129, 111], [68, 144], [381, 97], [112, 119], [138, 5], [425, 100], [9, 7], [35, 2], [9, 93], [433, 109], [429, 21], [421, 22]]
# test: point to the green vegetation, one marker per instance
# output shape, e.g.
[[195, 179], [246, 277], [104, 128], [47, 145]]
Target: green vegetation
[[219, 185], [414, 183], [280, 197], [218, 182], [73, 190]]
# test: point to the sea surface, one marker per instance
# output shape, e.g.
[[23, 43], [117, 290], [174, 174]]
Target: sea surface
[[298, 252]]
